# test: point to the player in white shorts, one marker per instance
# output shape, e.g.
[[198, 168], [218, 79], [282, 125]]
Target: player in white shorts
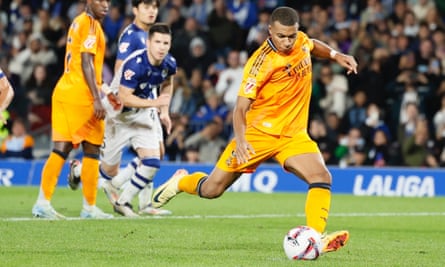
[[133, 38], [139, 123]]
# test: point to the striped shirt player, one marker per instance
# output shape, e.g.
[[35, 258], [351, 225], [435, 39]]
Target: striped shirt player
[[136, 72], [139, 124]]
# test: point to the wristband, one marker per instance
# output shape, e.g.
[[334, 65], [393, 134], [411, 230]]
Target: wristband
[[333, 53]]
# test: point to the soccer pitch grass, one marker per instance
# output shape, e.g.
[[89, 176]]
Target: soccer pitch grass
[[238, 229]]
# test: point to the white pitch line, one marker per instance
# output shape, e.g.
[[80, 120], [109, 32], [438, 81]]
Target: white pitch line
[[253, 216]]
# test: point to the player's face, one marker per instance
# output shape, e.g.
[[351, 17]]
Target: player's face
[[158, 46], [99, 8], [283, 37], [146, 13]]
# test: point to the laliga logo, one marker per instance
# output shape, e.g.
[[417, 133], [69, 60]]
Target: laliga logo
[[408, 186], [263, 181], [6, 176]]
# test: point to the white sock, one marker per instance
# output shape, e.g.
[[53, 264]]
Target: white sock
[[144, 175], [125, 174], [41, 200], [145, 196]]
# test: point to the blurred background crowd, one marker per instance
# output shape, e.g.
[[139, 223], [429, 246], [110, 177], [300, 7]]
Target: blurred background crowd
[[391, 114]]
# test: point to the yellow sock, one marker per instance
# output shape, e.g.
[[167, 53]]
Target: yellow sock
[[318, 201], [50, 174], [90, 178], [189, 183]]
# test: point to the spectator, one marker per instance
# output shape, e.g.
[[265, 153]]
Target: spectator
[[199, 57], [439, 130], [409, 118], [208, 141], [336, 87], [182, 101], [245, 13], [352, 149], [417, 148], [318, 133], [36, 53], [259, 29], [39, 89], [374, 121], [224, 32], [355, 116], [230, 79], [19, 144], [421, 8], [182, 41], [378, 154], [199, 10], [191, 155], [333, 127], [174, 143], [175, 19], [213, 108]]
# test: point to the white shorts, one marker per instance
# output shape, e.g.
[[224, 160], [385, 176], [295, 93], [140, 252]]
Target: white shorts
[[140, 128]]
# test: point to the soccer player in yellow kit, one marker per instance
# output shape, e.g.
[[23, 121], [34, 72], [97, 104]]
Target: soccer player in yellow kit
[[77, 112], [270, 121]]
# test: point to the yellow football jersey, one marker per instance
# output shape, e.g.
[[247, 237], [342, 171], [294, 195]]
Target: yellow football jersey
[[281, 86], [85, 35]]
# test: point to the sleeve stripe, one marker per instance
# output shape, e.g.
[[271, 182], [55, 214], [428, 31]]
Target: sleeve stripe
[[259, 60], [93, 26]]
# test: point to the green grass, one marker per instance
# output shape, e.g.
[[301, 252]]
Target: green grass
[[239, 229]]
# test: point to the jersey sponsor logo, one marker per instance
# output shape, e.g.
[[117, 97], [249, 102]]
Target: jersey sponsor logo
[[128, 74], [123, 47], [250, 84], [89, 42]]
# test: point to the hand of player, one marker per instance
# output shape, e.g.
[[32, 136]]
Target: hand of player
[[99, 110], [114, 100], [166, 121], [347, 62], [243, 151], [163, 100]]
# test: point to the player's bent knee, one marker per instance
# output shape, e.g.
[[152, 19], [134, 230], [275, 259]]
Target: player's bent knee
[[111, 170]]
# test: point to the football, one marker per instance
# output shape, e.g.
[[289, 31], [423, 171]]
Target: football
[[302, 243]]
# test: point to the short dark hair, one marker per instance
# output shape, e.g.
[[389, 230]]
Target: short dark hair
[[136, 3], [285, 15], [159, 28]]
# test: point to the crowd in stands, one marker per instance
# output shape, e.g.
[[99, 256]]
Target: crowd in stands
[[392, 113]]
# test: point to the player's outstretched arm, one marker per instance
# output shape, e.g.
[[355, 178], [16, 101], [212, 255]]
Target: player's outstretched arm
[[322, 50]]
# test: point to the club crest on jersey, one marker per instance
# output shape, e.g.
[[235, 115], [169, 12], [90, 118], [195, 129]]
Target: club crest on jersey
[[164, 73], [305, 49], [250, 84], [123, 47], [89, 42], [128, 74]]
